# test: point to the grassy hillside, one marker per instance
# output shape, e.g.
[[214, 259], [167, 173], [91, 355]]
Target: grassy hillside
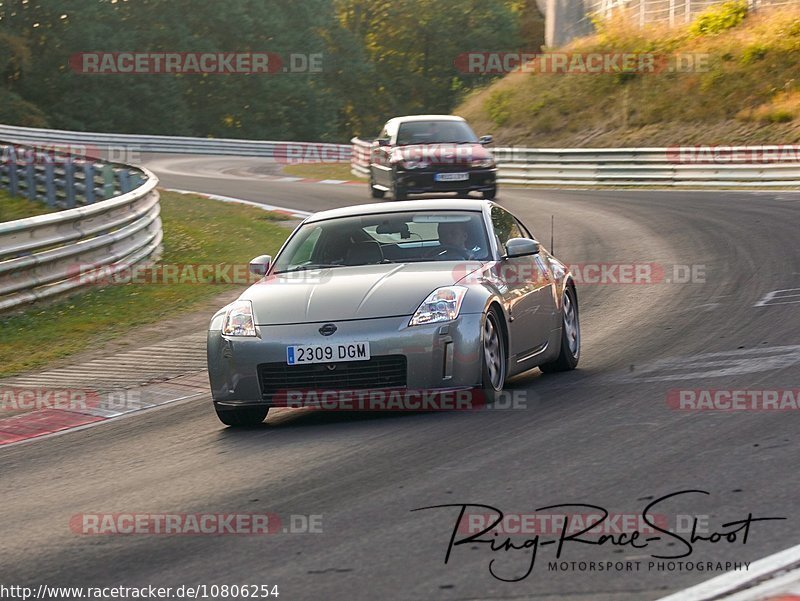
[[746, 92]]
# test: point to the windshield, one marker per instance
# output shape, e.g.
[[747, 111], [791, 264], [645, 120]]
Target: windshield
[[435, 132], [403, 237]]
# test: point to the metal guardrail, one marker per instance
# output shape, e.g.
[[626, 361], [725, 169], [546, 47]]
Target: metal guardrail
[[109, 220], [667, 167], [100, 142], [545, 166]]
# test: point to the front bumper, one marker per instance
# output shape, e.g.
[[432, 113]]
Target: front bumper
[[438, 356], [418, 181]]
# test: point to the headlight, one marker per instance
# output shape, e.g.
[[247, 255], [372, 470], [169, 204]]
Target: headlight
[[443, 304], [483, 163], [414, 164], [239, 319]]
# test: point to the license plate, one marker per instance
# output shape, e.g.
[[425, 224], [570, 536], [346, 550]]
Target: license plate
[[327, 353], [452, 177]]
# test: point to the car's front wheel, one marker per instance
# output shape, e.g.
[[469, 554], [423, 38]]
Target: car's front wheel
[[373, 191], [398, 190], [494, 357], [242, 416], [570, 350]]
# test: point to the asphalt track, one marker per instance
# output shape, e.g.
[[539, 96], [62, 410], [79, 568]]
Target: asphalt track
[[603, 435]]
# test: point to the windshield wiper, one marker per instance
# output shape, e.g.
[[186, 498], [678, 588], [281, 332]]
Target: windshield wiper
[[309, 266]]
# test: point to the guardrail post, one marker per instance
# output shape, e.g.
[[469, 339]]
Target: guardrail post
[[49, 181], [136, 180], [30, 175], [88, 182], [13, 175], [69, 182], [124, 181], [108, 180]]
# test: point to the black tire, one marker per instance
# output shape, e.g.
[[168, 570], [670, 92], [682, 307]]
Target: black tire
[[570, 350], [493, 380], [398, 191], [243, 416], [373, 191], [490, 193]]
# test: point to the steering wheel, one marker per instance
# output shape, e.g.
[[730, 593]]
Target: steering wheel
[[447, 252]]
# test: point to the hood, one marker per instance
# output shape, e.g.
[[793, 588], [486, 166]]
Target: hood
[[362, 292], [441, 154]]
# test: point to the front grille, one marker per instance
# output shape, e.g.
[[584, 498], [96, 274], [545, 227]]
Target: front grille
[[386, 371]]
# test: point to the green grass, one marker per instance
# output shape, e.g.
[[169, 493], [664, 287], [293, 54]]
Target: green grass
[[742, 87], [196, 231], [13, 207], [321, 171]]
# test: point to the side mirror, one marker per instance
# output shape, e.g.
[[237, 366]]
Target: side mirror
[[382, 141], [260, 265], [521, 247], [486, 140]]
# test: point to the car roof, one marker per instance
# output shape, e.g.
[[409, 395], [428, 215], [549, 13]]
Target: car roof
[[428, 204], [408, 118]]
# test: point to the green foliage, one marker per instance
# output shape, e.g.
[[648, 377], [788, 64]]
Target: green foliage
[[753, 53], [780, 116], [719, 17], [380, 59], [498, 106]]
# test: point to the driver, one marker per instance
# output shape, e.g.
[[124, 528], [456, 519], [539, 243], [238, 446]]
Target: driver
[[453, 237]]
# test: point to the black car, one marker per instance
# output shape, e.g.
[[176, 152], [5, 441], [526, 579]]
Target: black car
[[430, 153]]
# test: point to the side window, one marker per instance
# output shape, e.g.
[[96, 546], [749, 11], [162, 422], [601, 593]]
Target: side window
[[505, 227]]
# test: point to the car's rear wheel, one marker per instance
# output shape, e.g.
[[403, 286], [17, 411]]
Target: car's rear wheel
[[490, 193], [243, 416], [373, 191], [494, 357], [570, 350]]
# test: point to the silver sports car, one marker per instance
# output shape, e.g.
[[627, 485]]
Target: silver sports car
[[430, 296]]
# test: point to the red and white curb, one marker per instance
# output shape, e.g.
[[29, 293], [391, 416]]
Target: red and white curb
[[83, 395], [266, 207], [774, 578], [43, 423]]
